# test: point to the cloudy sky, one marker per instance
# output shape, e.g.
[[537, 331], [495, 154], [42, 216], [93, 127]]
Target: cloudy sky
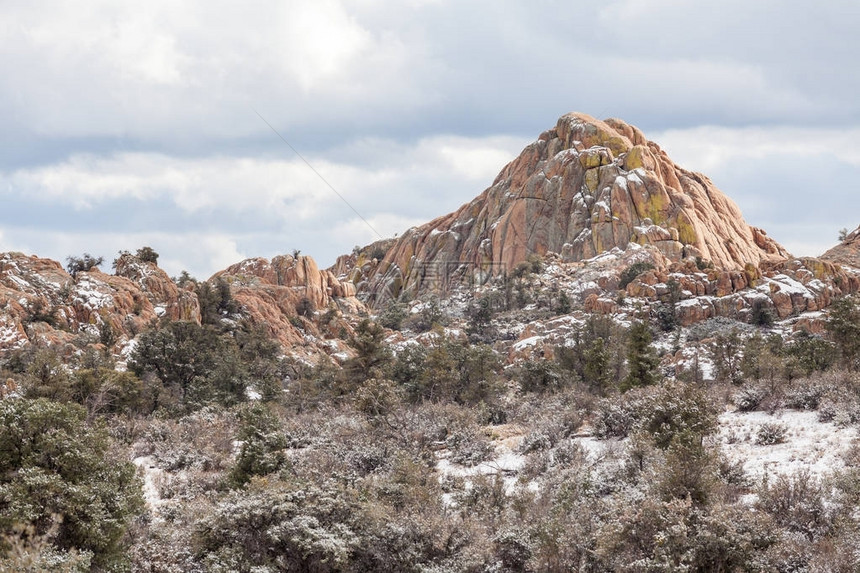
[[130, 124]]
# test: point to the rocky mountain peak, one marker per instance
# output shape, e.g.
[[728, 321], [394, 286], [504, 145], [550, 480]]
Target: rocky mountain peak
[[582, 188]]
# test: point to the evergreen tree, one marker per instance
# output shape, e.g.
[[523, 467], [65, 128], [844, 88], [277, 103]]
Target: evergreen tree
[[641, 359], [843, 324], [55, 465]]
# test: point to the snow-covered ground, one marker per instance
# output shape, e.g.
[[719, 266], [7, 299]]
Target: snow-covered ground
[[808, 444], [151, 477]]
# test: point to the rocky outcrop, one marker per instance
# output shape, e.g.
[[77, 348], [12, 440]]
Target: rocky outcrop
[[288, 296], [583, 188], [40, 301], [308, 310], [847, 252]]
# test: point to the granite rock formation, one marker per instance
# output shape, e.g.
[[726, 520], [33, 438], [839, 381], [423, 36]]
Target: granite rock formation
[[583, 188]]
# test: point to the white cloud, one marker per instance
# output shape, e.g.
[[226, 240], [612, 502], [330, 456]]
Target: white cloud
[[709, 148], [797, 183], [201, 253], [355, 231], [318, 40], [264, 204], [397, 104]]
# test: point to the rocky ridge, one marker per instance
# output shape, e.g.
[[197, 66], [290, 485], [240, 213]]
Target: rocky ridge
[[583, 188], [40, 301], [290, 296]]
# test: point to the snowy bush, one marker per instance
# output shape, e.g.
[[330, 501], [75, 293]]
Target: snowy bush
[[804, 394], [770, 433], [748, 398]]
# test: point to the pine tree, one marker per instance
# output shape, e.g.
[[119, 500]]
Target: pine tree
[[641, 359], [843, 324]]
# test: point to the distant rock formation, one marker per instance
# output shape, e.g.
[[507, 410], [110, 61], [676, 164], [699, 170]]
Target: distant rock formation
[[302, 307], [39, 300], [282, 295], [847, 252], [583, 188]]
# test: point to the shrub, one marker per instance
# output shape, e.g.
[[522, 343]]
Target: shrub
[[263, 445], [216, 301], [629, 274], [641, 359], [808, 353], [770, 433], [305, 308], [85, 262], [843, 325], [147, 255], [427, 317], [750, 397], [540, 376], [393, 316], [761, 314], [193, 362], [805, 394], [53, 463], [797, 503], [38, 311]]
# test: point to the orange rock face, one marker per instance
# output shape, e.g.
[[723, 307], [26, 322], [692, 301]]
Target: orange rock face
[[272, 293], [581, 189], [39, 300]]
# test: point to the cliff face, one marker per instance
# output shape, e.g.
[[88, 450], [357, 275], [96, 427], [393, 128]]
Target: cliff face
[[583, 188]]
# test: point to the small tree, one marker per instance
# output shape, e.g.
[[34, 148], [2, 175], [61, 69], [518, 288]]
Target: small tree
[[52, 463], [147, 255], [641, 360], [631, 272], [305, 307], [725, 353], [83, 263], [372, 354], [843, 325]]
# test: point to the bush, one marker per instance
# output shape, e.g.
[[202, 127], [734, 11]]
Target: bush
[[263, 445], [305, 308], [761, 314], [797, 503], [393, 316], [53, 463], [770, 433], [193, 362], [429, 316], [38, 311], [216, 301], [642, 361], [665, 413], [147, 255], [750, 397], [629, 274], [85, 262], [540, 376], [843, 326]]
